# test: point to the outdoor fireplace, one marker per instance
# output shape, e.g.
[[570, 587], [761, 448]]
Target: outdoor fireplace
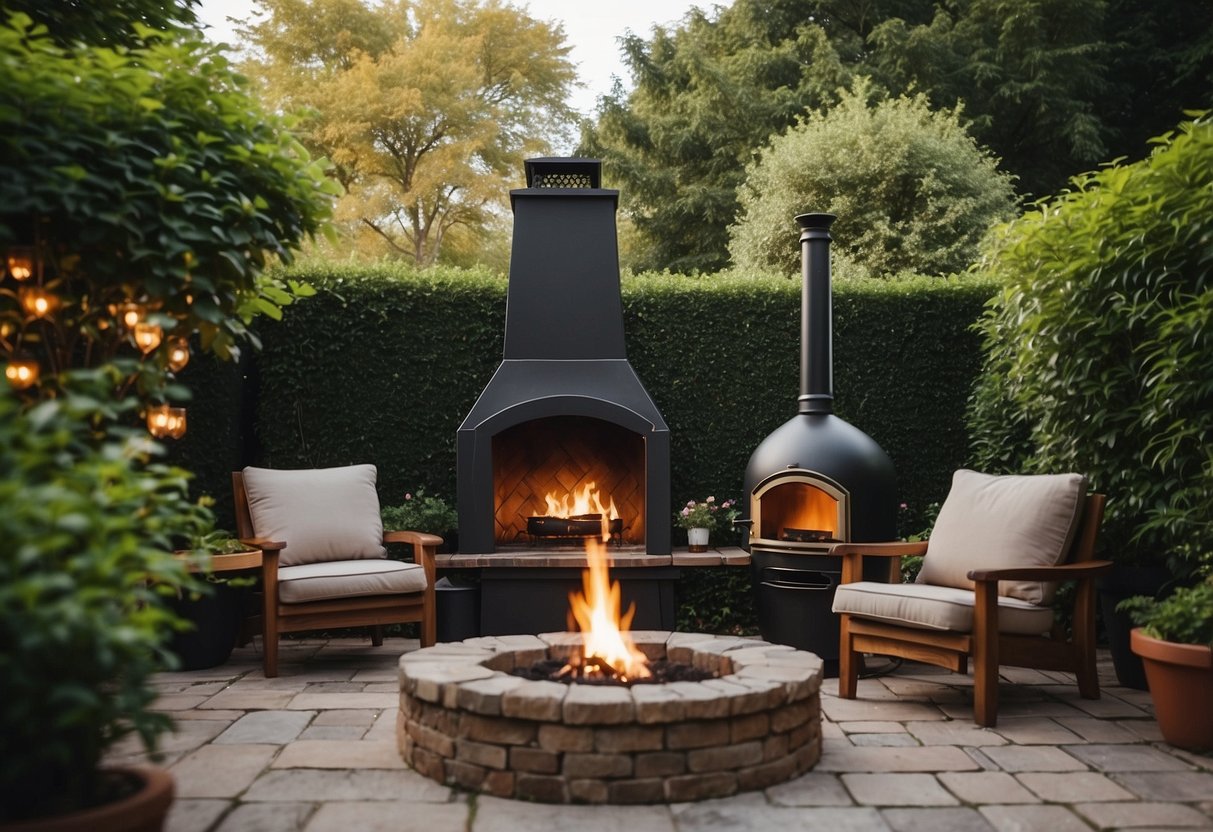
[[565, 411], [815, 481]]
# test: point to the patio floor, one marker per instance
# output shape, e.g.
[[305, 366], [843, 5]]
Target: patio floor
[[315, 750]]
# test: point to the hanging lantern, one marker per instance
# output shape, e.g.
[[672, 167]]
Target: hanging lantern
[[147, 336], [22, 373], [20, 262], [130, 313], [166, 422], [37, 301], [178, 354]]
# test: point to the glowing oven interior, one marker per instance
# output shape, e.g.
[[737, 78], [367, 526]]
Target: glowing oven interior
[[558, 458], [800, 507]]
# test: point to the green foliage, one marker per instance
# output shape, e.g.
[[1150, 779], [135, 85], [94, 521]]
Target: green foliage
[[1099, 347], [103, 24], [144, 175], [1185, 616], [716, 601], [426, 107], [420, 512], [384, 362], [912, 190], [86, 535]]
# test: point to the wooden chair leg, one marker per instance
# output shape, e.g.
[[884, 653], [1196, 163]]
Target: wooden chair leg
[[1083, 641], [848, 661], [377, 635], [269, 611], [985, 654]]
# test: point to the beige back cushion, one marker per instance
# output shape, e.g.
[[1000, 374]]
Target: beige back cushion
[[990, 522], [322, 514]]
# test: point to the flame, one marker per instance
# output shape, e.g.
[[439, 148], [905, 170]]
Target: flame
[[596, 610], [585, 500]]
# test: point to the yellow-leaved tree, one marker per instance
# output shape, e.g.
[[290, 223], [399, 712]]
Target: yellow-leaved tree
[[425, 107]]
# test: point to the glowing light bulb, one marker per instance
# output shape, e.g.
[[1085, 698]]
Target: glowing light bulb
[[22, 373], [148, 336]]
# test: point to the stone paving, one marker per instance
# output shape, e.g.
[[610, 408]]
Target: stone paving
[[315, 750]]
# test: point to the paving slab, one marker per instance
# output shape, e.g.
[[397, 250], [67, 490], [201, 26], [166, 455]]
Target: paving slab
[[902, 740], [954, 732], [267, 817], [925, 758], [744, 814], [862, 727], [221, 770], [1033, 758], [1096, 730], [301, 785], [1182, 786], [186, 815], [986, 787], [362, 717], [1127, 758], [340, 754], [936, 820], [266, 727], [498, 815], [243, 699], [812, 789], [878, 710], [897, 790], [1036, 730], [1072, 786], [343, 701], [383, 816], [1130, 815], [1033, 819]]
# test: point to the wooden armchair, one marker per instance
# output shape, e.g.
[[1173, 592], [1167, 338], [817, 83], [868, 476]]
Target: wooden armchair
[[999, 613], [323, 561]]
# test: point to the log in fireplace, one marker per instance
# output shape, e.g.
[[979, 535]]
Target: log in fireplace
[[565, 416]]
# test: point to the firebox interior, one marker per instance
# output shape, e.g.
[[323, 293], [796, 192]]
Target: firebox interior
[[801, 508], [560, 455]]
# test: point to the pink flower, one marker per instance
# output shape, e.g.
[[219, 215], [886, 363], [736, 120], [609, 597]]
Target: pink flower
[[710, 500], [408, 496], [686, 511]]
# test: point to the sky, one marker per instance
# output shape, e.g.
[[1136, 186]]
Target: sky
[[591, 27]]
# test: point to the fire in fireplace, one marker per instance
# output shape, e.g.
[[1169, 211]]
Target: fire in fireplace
[[815, 481], [565, 408]]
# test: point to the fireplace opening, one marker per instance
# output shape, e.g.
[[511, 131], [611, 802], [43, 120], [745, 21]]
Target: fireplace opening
[[799, 506], [568, 478]]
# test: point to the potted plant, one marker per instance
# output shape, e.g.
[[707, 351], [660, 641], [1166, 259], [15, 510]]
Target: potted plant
[[1174, 638], [213, 613], [419, 512], [700, 519], [87, 534]]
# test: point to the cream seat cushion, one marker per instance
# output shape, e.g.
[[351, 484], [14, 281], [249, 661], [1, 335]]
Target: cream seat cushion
[[348, 578], [322, 514], [991, 522], [941, 608]]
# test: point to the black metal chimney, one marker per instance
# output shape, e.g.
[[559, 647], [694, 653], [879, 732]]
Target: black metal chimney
[[816, 315]]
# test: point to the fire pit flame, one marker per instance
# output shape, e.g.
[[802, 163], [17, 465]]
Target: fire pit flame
[[608, 650]]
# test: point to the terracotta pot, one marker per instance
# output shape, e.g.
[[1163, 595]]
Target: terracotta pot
[[1181, 685], [143, 811]]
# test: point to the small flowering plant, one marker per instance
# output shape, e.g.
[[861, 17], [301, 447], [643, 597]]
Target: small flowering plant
[[708, 514], [421, 513]]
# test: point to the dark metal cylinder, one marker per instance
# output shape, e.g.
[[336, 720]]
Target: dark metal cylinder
[[816, 315]]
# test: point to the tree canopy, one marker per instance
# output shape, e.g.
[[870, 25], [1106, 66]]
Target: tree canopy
[[425, 107], [912, 190], [1052, 87]]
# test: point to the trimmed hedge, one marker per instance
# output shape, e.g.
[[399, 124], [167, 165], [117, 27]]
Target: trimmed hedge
[[383, 364]]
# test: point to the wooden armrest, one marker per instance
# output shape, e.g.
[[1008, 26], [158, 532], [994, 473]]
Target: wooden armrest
[[415, 538], [893, 549], [263, 544], [1062, 572]]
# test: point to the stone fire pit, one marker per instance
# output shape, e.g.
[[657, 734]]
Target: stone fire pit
[[465, 721]]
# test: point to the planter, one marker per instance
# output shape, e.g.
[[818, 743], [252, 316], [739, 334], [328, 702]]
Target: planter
[[216, 619], [143, 811], [1181, 685], [697, 540], [1122, 583]]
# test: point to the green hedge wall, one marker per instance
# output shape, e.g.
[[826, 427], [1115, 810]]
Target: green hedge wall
[[383, 364]]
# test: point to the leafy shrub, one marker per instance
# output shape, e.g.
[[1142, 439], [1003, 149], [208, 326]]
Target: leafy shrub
[[912, 190], [86, 535], [1099, 347], [1185, 616], [420, 513]]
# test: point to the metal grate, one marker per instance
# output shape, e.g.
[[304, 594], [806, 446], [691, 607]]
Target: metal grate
[[562, 180]]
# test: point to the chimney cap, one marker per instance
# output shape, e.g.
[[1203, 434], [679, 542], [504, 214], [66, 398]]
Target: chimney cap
[[815, 220], [563, 172]]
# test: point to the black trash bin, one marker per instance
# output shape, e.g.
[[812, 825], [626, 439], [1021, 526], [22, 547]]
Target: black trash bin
[[458, 610]]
